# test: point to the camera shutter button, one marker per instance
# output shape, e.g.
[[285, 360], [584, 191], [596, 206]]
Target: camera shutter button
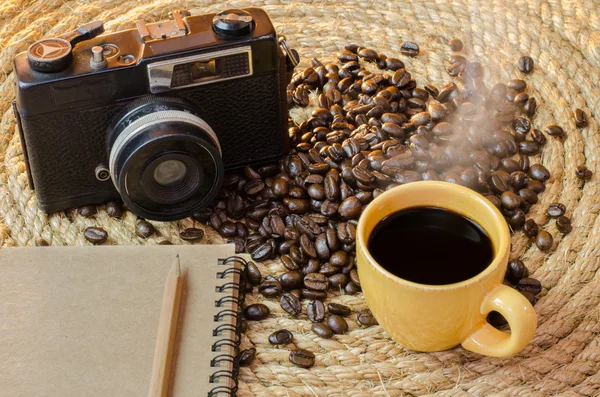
[[233, 23], [50, 55]]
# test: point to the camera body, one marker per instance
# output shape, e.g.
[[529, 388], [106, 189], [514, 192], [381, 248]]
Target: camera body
[[229, 69]]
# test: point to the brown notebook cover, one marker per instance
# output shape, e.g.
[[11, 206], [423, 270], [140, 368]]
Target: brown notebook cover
[[82, 321]]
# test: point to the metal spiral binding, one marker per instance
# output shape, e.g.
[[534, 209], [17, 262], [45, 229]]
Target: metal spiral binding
[[227, 344]]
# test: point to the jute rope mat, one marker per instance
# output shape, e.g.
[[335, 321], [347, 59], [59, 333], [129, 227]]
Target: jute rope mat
[[563, 37]]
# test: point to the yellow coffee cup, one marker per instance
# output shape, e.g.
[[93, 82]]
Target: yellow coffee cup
[[437, 317]]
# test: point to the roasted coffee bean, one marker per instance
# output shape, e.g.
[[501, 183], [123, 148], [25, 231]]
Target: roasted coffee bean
[[280, 187], [244, 326], [339, 258], [432, 90], [544, 241], [517, 219], [366, 318], [530, 107], [289, 263], [537, 137], [313, 295], [529, 148], [316, 311], [533, 186], [351, 288], [367, 53], [239, 244], [191, 234], [290, 303], [517, 85], [297, 206], [270, 288], [519, 179], [262, 252], [563, 224], [354, 277], [555, 130], [316, 281], [556, 209], [87, 211], [583, 172], [336, 280], [307, 246], [253, 274], [510, 200], [256, 311], [40, 242], [281, 337], [298, 255], [144, 229], [539, 173], [521, 99], [247, 356], [322, 330], [494, 200], [242, 230], [228, 229], [95, 235], [292, 279], [580, 119], [302, 358], [525, 64], [340, 310], [530, 284], [394, 64], [337, 324], [530, 228], [346, 232], [409, 48], [499, 184], [455, 45], [254, 187], [515, 271], [114, 209]]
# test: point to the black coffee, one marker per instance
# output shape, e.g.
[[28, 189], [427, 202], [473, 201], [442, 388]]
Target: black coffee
[[429, 245]]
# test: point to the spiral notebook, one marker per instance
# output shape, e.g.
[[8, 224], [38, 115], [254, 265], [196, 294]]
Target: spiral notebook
[[82, 321]]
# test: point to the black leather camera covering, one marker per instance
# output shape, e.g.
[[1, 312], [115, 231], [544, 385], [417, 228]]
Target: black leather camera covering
[[64, 149]]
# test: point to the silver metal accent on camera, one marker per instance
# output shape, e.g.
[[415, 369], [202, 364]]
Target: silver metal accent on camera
[[288, 51], [102, 173], [98, 61], [160, 74], [162, 30], [160, 117]]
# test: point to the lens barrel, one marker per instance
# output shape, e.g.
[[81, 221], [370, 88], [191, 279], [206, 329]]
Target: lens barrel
[[164, 160]]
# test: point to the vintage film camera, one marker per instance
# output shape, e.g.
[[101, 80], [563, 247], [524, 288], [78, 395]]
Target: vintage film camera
[[153, 114]]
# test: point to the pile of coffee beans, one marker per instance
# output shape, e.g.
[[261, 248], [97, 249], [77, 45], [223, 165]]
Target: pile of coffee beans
[[372, 129]]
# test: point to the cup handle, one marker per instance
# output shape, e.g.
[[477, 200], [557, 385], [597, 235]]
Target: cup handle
[[521, 318]]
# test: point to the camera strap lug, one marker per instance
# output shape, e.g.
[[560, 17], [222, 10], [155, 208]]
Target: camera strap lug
[[292, 57]]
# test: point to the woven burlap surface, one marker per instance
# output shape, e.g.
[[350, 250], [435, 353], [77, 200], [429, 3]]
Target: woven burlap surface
[[563, 38]]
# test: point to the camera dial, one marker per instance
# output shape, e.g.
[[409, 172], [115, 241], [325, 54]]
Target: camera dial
[[164, 160], [233, 23]]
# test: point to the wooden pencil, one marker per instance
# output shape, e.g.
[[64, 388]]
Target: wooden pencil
[[167, 328]]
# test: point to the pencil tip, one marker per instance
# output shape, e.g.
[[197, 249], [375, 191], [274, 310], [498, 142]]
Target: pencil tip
[[176, 268]]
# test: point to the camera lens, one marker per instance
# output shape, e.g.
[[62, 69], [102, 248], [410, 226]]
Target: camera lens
[[164, 159], [169, 172]]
